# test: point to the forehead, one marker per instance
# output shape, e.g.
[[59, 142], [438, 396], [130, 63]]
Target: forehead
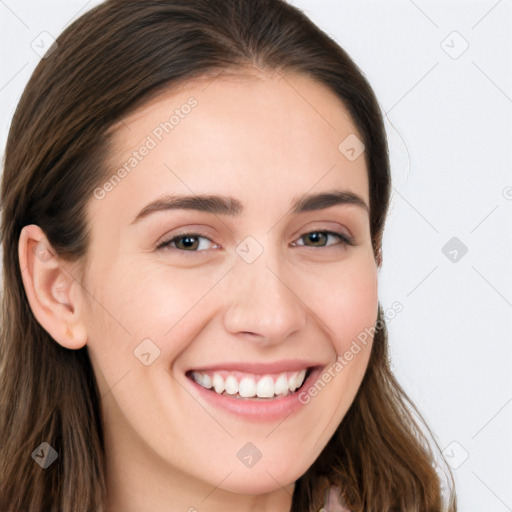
[[262, 137]]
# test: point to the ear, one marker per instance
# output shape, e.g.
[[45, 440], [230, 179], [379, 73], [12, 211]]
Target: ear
[[53, 292]]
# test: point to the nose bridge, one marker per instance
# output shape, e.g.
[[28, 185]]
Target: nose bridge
[[261, 300]]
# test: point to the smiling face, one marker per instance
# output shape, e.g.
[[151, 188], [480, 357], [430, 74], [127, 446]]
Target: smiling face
[[246, 296]]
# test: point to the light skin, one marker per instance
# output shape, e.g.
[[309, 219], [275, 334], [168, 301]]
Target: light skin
[[265, 140]]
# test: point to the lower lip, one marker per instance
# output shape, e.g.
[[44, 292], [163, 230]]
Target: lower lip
[[257, 410]]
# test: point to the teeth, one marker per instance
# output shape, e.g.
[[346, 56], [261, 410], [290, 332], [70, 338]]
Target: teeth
[[218, 383], [231, 385], [250, 386], [207, 381], [202, 379], [292, 383], [247, 387], [281, 385], [265, 387], [296, 380]]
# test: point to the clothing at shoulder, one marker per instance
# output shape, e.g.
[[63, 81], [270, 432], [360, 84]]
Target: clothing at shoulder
[[333, 501]]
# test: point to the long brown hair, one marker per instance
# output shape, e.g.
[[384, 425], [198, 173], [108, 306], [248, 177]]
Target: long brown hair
[[106, 64]]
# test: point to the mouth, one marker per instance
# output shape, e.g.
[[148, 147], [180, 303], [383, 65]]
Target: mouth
[[251, 386], [255, 392]]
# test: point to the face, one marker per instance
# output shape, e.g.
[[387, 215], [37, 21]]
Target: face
[[203, 317]]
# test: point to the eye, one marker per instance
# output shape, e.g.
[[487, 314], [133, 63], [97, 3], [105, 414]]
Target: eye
[[190, 242], [318, 237], [186, 242]]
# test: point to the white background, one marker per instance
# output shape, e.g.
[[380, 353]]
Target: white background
[[449, 116]]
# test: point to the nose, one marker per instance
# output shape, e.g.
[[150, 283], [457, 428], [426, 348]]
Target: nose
[[263, 305]]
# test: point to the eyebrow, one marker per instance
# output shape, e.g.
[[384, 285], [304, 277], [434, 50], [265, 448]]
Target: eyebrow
[[227, 205]]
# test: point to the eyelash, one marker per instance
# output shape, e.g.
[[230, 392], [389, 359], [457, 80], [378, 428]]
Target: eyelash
[[344, 240]]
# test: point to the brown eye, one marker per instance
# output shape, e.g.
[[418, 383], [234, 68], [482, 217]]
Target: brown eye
[[186, 242], [320, 238]]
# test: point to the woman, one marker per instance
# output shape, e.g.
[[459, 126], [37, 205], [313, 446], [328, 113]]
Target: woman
[[194, 198]]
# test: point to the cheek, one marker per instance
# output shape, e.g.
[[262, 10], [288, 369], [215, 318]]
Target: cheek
[[134, 303], [349, 310], [353, 309], [346, 300], [358, 313]]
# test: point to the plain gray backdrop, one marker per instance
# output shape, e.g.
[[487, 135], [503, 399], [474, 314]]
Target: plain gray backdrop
[[442, 73]]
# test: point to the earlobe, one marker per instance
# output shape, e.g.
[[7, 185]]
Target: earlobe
[[52, 291]]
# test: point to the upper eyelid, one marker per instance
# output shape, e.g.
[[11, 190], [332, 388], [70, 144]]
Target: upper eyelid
[[345, 239]]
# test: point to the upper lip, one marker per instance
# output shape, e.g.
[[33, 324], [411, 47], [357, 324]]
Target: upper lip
[[288, 365]]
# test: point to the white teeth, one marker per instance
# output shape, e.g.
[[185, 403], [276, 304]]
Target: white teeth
[[296, 380], [231, 385], [207, 381], [292, 382], [218, 383], [202, 379], [265, 387], [281, 385], [247, 387]]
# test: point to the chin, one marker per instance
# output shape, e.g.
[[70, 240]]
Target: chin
[[263, 480]]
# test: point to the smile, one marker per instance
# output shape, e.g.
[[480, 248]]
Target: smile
[[243, 385], [256, 392]]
